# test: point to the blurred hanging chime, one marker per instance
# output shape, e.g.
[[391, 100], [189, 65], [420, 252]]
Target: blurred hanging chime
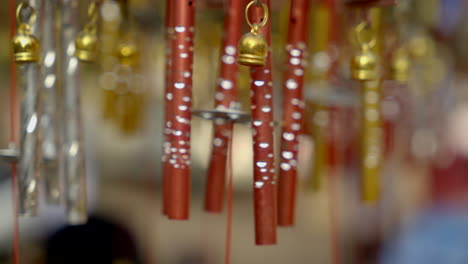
[[121, 80], [26, 53], [225, 99], [75, 46], [364, 69], [179, 104], [169, 32], [293, 110], [323, 37], [51, 151], [254, 51], [41, 162]]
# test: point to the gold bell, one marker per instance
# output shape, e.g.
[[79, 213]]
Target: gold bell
[[364, 66], [86, 45], [25, 45], [400, 66], [253, 49], [128, 54]]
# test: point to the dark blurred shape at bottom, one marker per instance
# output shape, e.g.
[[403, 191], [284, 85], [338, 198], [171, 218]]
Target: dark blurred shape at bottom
[[98, 241]]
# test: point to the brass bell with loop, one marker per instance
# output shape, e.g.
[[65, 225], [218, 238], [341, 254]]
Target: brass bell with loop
[[25, 45], [364, 63], [86, 43], [400, 65], [253, 48]]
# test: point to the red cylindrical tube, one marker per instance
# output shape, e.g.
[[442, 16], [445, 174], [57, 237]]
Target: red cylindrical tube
[[181, 97], [226, 96], [263, 148], [293, 110], [168, 106]]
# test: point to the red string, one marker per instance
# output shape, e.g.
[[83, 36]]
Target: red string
[[333, 215], [13, 137], [229, 199]]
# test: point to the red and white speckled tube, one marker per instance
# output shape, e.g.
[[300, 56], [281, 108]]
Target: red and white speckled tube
[[181, 97], [293, 110], [168, 106], [263, 148], [226, 96]]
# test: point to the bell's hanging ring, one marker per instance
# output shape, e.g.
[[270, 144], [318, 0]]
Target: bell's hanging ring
[[364, 63], [25, 45], [253, 48]]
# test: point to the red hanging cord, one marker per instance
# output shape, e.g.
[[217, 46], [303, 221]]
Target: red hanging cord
[[181, 95], [263, 148], [230, 176], [293, 110], [226, 96], [168, 106], [13, 137]]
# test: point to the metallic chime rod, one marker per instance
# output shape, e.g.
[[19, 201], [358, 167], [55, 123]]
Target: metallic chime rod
[[226, 98], [324, 35], [26, 49], [52, 162], [75, 177], [181, 96], [371, 148], [364, 69], [293, 110], [168, 105]]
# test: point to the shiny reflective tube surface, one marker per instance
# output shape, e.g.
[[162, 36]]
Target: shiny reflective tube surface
[[52, 163], [75, 177]]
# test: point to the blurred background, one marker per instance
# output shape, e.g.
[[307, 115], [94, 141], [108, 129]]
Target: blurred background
[[422, 216]]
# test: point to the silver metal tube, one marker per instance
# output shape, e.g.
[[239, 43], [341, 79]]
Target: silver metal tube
[[52, 161], [75, 178], [28, 162], [28, 183]]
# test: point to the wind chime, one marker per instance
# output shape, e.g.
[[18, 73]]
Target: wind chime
[[364, 69], [57, 160], [176, 159], [293, 110], [61, 152]]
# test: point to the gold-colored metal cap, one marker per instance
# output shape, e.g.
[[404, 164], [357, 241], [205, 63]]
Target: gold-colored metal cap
[[253, 50], [400, 66], [86, 45], [128, 54], [364, 66], [25, 48], [25, 45]]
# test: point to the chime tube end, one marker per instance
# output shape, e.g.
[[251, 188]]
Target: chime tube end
[[179, 194], [287, 198]]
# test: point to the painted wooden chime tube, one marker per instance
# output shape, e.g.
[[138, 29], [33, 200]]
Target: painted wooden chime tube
[[265, 198], [226, 98], [75, 175], [26, 52], [168, 105], [52, 165], [293, 110], [181, 97]]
